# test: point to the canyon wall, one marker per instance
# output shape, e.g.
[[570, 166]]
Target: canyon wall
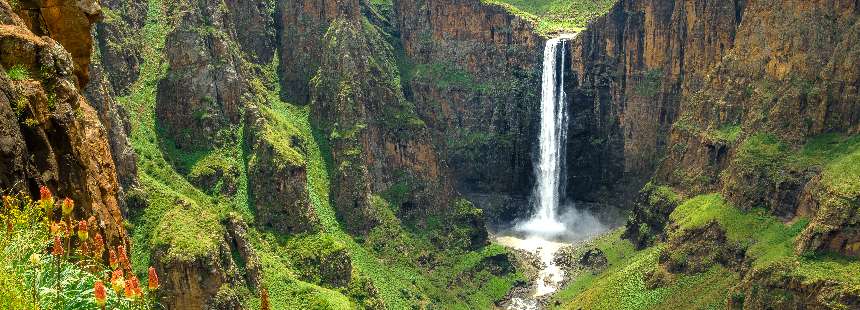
[[626, 81], [754, 100]]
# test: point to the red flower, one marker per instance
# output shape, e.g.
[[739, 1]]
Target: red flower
[[112, 259], [58, 246], [44, 193], [98, 246], [83, 231], [153, 279], [68, 206], [100, 294]]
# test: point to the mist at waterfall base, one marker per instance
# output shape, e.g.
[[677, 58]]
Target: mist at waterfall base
[[570, 226]]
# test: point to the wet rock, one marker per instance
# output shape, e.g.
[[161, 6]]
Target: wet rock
[[594, 259]]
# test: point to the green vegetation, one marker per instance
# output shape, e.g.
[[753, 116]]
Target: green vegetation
[[18, 73], [767, 240], [726, 134], [622, 285], [446, 76], [556, 16], [765, 237], [649, 84], [186, 221]]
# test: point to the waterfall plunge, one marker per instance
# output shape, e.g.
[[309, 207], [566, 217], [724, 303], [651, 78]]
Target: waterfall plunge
[[553, 137]]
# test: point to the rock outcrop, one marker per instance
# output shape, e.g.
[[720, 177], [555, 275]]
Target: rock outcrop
[[200, 100], [277, 174], [51, 135], [351, 80], [302, 26]]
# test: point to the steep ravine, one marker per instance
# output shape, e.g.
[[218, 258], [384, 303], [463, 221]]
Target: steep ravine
[[351, 153]]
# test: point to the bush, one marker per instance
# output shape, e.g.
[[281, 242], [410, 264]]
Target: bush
[[18, 73], [49, 264]]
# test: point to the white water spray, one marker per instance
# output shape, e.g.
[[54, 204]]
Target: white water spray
[[553, 137]]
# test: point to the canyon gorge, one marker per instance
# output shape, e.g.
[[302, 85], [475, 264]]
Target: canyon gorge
[[432, 154]]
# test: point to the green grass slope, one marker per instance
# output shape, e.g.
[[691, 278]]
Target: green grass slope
[[556, 16]]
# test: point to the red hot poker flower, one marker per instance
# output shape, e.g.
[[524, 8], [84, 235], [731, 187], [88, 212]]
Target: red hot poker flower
[[83, 230], [118, 281], [153, 279], [58, 246], [68, 206], [112, 259], [264, 299], [100, 293], [55, 228], [98, 246], [44, 193], [123, 257], [135, 287]]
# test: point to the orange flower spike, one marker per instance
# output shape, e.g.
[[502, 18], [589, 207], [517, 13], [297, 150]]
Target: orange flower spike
[[100, 293], [68, 206], [112, 259], [264, 299], [8, 201], [98, 246], [135, 286], [153, 279], [123, 257], [83, 230], [58, 246], [85, 248], [55, 228], [129, 292], [117, 281]]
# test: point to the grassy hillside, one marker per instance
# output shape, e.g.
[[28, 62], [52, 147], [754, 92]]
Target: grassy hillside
[[187, 220], [768, 242], [557, 16]]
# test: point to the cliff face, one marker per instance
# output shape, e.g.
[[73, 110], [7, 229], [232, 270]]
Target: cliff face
[[754, 100], [51, 135], [473, 72], [684, 88], [626, 81]]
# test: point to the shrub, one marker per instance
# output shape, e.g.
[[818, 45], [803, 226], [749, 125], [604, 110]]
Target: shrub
[[19, 73], [48, 264]]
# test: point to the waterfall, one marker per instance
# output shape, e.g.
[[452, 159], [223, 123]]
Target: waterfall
[[547, 231], [553, 137]]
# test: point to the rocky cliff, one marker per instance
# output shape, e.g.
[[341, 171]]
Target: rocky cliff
[[754, 100], [52, 136], [473, 71]]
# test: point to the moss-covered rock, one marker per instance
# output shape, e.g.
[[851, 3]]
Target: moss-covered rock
[[277, 173], [650, 215]]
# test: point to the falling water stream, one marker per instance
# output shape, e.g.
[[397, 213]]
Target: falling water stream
[[543, 228], [553, 137]]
